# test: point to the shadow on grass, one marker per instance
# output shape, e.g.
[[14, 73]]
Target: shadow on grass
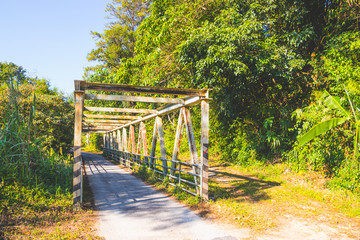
[[225, 185]]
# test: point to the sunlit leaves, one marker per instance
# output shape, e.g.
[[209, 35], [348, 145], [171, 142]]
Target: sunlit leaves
[[118, 40]]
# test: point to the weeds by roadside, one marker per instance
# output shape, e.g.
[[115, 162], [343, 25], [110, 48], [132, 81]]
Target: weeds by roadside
[[259, 197], [39, 216], [35, 181]]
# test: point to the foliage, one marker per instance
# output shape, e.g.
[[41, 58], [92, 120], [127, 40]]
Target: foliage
[[320, 128], [34, 177], [339, 64], [52, 115], [340, 155], [93, 143], [336, 151], [10, 70], [265, 62], [118, 40]]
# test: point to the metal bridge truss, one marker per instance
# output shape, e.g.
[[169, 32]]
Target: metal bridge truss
[[119, 126]]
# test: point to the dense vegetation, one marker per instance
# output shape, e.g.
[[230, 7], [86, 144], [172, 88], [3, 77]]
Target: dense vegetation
[[36, 127], [271, 64]]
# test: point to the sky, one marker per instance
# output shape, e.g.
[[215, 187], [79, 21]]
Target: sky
[[51, 39]]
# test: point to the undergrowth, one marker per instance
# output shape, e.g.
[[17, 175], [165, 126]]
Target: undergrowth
[[35, 182]]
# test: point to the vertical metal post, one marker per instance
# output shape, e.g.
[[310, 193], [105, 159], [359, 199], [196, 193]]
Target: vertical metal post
[[179, 174], [119, 140], [104, 141], [111, 140], [192, 146], [77, 168], [144, 138], [160, 131], [132, 143], [125, 145], [205, 148], [177, 142], [153, 144], [138, 147], [113, 134]]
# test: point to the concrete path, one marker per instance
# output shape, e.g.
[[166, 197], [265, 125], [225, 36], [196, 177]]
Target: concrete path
[[130, 209]]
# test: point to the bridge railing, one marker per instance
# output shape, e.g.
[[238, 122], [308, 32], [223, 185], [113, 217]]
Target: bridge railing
[[119, 133], [183, 175]]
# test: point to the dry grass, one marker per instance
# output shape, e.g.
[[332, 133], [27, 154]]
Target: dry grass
[[261, 197]]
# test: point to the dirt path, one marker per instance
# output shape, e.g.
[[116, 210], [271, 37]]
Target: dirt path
[[130, 209], [279, 209]]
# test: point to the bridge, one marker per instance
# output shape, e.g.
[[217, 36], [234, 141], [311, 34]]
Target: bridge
[[120, 126]]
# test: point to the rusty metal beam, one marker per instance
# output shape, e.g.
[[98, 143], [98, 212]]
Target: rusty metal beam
[[83, 85], [123, 110], [124, 98], [153, 143], [177, 142], [142, 140], [102, 124], [106, 121], [159, 131], [99, 127], [111, 116], [120, 148], [191, 101], [192, 145], [124, 138], [132, 143], [95, 131]]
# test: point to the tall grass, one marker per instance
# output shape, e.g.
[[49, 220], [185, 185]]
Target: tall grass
[[32, 176]]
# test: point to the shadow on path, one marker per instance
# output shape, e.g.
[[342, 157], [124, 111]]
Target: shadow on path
[[130, 209]]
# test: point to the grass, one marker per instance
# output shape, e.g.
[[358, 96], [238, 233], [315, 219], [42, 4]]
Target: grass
[[260, 196], [307, 185], [38, 215]]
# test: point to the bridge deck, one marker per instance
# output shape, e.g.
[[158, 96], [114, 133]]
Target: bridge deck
[[130, 209]]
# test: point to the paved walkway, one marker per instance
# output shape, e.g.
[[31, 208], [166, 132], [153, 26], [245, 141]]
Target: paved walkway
[[130, 209]]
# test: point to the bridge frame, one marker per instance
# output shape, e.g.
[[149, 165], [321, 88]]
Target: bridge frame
[[114, 127]]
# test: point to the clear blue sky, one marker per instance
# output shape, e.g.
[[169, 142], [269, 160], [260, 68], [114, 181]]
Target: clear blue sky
[[50, 39]]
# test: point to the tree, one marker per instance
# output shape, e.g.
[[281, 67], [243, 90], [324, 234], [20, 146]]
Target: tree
[[11, 71], [118, 40], [52, 115]]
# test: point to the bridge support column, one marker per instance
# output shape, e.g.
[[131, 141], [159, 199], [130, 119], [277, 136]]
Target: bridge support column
[[205, 148], [77, 169], [132, 143]]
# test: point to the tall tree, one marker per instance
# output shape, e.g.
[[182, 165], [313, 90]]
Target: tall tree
[[118, 40], [11, 71]]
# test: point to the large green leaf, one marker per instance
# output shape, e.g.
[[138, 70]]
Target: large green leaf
[[334, 102], [321, 128]]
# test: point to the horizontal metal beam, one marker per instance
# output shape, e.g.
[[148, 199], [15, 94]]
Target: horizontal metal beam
[[99, 128], [132, 98], [94, 131], [123, 110], [103, 124], [191, 101], [83, 85], [105, 121], [111, 116]]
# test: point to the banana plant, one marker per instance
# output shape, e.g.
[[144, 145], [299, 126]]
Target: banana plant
[[345, 116]]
